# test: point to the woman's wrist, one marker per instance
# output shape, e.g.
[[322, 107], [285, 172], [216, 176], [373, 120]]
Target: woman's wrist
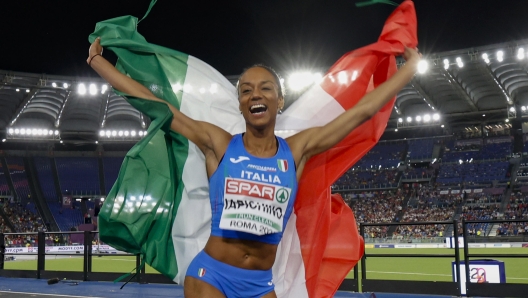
[[92, 57]]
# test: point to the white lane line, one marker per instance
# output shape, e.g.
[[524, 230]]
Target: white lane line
[[54, 295]]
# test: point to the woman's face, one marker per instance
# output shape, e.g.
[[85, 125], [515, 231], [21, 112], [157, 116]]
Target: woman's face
[[258, 97]]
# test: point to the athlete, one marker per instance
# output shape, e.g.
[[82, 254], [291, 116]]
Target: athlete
[[253, 176]]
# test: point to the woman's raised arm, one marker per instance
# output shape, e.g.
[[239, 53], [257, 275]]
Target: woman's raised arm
[[205, 135], [319, 139]]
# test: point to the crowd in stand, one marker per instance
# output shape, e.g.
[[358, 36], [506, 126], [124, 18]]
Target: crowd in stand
[[22, 219], [517, 208], [377, 207], [357, 179], [428, 205]]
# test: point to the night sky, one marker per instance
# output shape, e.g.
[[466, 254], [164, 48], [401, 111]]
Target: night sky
[[51, 36]]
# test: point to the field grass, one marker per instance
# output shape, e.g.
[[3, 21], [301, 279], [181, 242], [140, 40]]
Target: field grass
[[111, 263], [438, 269], [425, 269]]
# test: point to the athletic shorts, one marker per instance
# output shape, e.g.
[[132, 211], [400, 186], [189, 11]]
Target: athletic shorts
[[231, 281]]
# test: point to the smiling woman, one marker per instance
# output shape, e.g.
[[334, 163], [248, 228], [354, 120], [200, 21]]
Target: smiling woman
[[248, 223]]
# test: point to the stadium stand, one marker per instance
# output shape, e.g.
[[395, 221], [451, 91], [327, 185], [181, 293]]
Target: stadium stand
[[17, 172], [45, 177], [111, 167], [4, 187], [78, 175]]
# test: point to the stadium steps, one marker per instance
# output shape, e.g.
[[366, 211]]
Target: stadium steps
[[399, 215], [6, 219], [101, 175], [37, 197], [493, 231], [56, 178], [8, 178]]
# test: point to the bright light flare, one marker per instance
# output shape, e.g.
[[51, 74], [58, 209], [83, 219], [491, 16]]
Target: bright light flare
[[422, 66]]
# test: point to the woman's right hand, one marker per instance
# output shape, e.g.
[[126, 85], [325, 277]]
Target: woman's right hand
[[95, 49]]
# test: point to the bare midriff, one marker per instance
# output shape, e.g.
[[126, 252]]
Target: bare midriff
[[245, 254]]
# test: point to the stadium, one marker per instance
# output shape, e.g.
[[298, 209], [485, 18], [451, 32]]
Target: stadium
[[441, 200], [453, 151]]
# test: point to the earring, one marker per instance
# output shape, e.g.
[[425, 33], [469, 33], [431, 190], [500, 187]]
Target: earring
[[280, 111], [240, 112]]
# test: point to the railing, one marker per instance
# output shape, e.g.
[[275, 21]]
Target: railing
[[88, 252]]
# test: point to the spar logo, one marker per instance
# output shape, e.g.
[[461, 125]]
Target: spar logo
[[478, 275], [282, 195], [250, 189]]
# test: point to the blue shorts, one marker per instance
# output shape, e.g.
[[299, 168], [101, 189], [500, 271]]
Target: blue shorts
[[231, 281]]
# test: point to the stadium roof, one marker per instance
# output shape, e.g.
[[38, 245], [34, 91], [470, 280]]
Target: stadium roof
[[484, 85]]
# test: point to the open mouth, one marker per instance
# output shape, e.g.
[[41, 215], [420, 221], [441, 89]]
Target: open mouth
[[258, 109]]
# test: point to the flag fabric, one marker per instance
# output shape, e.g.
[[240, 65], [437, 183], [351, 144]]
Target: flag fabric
[[159, 205]]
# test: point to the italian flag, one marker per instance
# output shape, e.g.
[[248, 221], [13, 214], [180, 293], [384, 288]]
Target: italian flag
[[159, 205]]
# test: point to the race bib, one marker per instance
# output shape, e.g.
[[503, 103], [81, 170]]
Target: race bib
[[254, 207]]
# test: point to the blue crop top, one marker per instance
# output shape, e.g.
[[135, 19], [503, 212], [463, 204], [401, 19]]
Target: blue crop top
[[251, 197]]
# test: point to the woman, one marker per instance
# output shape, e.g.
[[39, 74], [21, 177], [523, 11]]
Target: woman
[[253, 176]]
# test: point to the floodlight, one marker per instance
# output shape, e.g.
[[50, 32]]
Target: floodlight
[[202, 90], [54, 85], [65, 85], [400, 120], [512, 109], [187, 88], [418, 118], [500, 56], [300, 80], [140, 133], [34, 131], [81, 89], [342, 77], [436, 117], [114, 133], [459, 62], [27, 90], [317, 77], [446, 61], [520, 53], [92, 89], [50, 132], [354, 75], [17, 90], [177, 87], [396, 130], [11, 131], [22, 131], [108, 133], [120, 133], [442, 126], [126, 133], [101, 133], [56, 132], [507, 120], [3, 140], [409, 119], [485, 56], [422, 66], [133, 133], [523, 108], [427, 118], [214, 88]]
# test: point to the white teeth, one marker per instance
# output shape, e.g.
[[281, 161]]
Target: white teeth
[[257, 106]]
